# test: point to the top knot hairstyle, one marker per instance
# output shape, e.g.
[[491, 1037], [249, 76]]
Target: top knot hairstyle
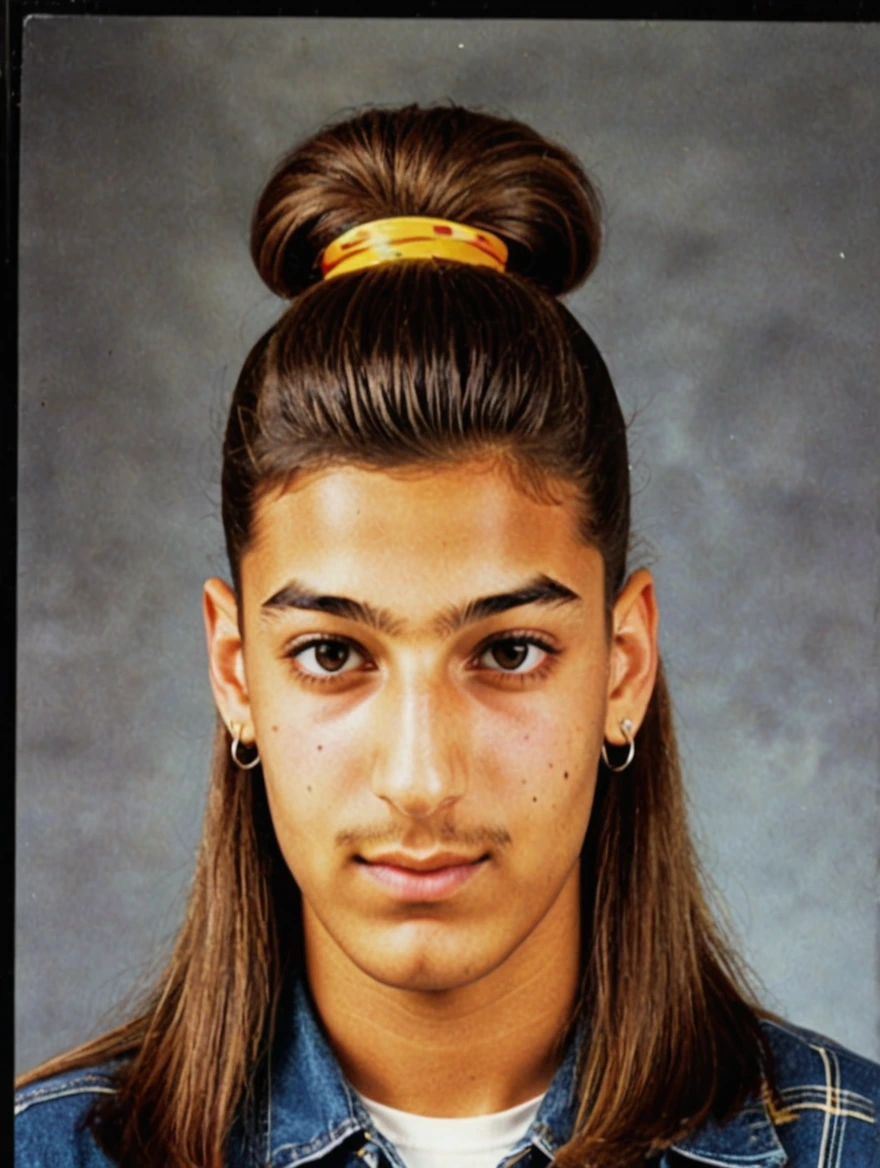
[[445, 162], [428, 362]]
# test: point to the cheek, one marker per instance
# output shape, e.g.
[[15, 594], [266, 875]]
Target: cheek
[[305, 774], [311, 746], [299, 750], [315, 780], [542, 767]]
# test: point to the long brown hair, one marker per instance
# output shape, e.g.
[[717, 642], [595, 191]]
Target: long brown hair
[[428, 362]]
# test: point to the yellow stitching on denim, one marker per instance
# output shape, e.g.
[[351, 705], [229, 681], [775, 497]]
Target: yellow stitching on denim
[[778, 1114], [836, 1112], [822, 1090], [838, 1099]]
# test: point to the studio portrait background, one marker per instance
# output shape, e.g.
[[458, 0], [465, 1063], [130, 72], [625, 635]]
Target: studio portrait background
[[736, 305]]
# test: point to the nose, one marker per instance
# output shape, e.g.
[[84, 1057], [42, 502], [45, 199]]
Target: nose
[[419, 763]]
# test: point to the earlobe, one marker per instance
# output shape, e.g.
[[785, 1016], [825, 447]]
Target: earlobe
[[634, 656], [226, 670]]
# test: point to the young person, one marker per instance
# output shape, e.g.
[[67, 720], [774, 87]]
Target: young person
[[446, 910]]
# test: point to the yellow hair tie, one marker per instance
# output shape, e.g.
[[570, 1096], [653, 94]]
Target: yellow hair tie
[[411, 237]]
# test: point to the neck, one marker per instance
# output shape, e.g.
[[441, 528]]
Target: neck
[[472, 1050]]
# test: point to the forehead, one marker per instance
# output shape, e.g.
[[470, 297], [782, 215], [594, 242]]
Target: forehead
[[413, 534]]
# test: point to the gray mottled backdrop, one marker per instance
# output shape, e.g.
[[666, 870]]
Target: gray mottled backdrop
[[736, 303]]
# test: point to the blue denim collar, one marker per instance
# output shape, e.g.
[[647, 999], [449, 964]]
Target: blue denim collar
[[748, 1140], [312, 1108]]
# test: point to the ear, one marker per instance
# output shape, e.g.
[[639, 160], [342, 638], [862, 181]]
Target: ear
[[226, 657], [633, 665]]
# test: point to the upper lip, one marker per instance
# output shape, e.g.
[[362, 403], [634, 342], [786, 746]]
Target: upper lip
[[431, 863]]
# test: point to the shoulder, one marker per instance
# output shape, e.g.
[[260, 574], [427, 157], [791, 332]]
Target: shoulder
[[827, 1097], [800, 1054], [50, 1120]]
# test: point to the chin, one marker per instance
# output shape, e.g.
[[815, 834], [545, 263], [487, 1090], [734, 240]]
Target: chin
[[426, 964]]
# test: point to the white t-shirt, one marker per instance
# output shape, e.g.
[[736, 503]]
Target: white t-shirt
[[478, 1141]]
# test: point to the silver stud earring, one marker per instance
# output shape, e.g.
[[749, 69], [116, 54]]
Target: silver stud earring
[[626, 729]]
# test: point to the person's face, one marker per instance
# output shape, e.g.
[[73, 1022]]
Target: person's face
[[428, 675]]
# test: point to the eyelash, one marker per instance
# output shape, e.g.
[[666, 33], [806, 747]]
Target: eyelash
[[516, 637], [300, 647]]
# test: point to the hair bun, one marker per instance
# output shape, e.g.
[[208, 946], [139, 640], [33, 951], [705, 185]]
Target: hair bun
[[444, 161]]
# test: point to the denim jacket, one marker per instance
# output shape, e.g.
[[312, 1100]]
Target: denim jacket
[[310, 1115]]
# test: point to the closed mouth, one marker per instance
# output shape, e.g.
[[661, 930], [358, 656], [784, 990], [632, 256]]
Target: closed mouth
[[422, 864]]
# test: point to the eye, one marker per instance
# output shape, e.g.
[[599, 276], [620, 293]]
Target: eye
[[516, 654], [323, 658]]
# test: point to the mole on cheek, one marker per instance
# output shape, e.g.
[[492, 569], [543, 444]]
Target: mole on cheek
[[534, 798], [274, 729], [320, 747], [309, 789], [565, 775]]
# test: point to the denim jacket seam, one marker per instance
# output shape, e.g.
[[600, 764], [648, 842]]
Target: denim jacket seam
[[302, 1153], [29, 1097], [732, 1159], [820, 1041], [817, 1097]]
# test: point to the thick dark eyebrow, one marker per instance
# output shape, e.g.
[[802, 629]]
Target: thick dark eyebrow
[[297, 595], [540, 590]]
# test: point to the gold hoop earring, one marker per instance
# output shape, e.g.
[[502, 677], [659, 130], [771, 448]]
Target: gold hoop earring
[[626, 729], [235, 730]]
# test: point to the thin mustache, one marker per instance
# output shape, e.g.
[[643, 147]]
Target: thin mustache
[[498, 837]]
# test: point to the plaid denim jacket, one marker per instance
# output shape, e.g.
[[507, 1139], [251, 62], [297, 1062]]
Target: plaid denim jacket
[[310, 1115]]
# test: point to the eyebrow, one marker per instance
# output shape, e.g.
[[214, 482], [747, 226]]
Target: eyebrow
[[539, 590]]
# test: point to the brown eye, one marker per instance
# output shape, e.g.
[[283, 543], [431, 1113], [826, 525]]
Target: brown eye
[[321, 658], [331, 655], [510, 654], [522, 655]]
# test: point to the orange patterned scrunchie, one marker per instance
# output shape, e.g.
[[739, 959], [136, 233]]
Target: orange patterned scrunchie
[[411, 237]]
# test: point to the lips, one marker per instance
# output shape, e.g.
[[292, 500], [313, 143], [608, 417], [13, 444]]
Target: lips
[[421, 878], [429, 863]]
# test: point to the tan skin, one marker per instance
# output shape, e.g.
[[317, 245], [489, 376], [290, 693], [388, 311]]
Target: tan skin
[[425, 735]]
